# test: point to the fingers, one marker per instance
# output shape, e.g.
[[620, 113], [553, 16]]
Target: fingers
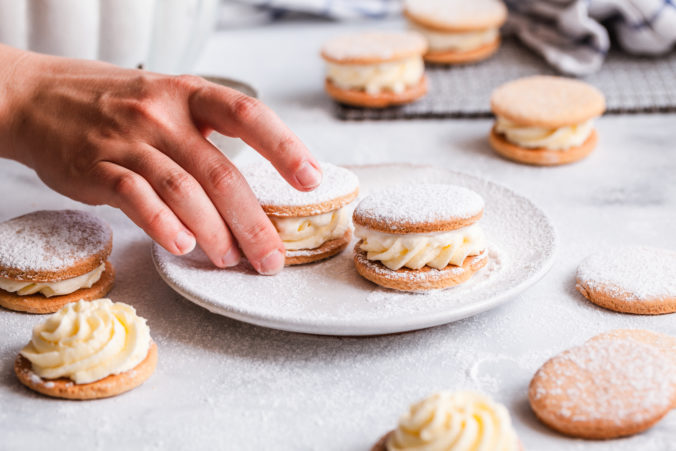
[[137, 199], [234, 114], [185, 197], [229, 192]]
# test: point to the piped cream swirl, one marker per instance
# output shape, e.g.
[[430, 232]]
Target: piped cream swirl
[[394, 76], [455, 421], [459, 41], [310, 232], [415, 250], [561, 138], [49, 289], [87, 341]]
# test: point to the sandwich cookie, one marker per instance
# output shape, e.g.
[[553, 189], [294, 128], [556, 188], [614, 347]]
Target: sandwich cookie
[[630, 279], [51, 258], [453, 421], [616, 384], [420, 237], [375, 69], [545, 120], [457, 31], [313, 225], [88, 350]]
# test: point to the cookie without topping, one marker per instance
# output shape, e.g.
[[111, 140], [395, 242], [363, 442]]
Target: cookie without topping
[[547, 101], [382, 99], [608, 387], [419, 208], [53, 245], [630, 279], [463, 57], [456, 15], [373, 47], [338, 188]]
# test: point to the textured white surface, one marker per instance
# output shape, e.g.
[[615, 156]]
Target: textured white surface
[[225, 384]]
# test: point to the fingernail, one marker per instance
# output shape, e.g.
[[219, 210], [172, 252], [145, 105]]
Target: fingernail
[[231, 258], [185, 242], [308, 176], [272, 263]]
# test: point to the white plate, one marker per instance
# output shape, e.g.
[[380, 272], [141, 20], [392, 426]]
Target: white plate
[[330, 298]]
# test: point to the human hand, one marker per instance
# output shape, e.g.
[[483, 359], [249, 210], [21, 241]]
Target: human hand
[[135, 140]]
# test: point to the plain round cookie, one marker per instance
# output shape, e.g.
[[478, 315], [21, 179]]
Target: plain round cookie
[[605, 388], [112, 385], [326, 250], [419, 208], [542, 156], [630, 279], [383, 99], [456, 15], [423, 279], [373, 47], [338, 188], [53, 245], [469, 56], [39, 304], [547, 101]]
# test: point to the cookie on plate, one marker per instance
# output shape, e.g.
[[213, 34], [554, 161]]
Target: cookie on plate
[[614, 385], [457, 31], [420, 237], [451, 421], [375, 69], [545, 120], [112, 355], [630, 279], [52, 257], [313, 225]]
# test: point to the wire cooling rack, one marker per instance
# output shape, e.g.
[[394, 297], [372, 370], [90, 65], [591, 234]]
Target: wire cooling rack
[[631, 85]]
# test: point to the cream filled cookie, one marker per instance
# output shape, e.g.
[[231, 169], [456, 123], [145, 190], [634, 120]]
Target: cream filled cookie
[[545, 120], [313, 225], [375, 69], [88, 350], [617, 384], [630, 279], [457, 31], [50, 258], [453, 421], [420, 237]]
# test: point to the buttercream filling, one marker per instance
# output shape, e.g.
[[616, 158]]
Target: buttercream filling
[[310, 232], [394, 76], [87, 341], [415, 250], [459, 41], [461, 421], [561, 138], [49, 289]]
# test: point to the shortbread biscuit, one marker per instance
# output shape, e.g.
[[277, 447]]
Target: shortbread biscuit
[[457, 31], [113, 354], [630, 279], [608, 387], [313, 225], [112, 385], [451, 421], [545, 120], [419, 237], [50, 258], [375, 69]]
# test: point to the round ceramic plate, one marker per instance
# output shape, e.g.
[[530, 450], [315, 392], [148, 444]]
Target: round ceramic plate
[[330, 298]]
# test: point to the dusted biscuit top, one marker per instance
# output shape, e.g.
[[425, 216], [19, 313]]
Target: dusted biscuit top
[[49, 246]]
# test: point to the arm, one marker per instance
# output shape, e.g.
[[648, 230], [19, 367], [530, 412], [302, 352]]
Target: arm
[[136, 140]]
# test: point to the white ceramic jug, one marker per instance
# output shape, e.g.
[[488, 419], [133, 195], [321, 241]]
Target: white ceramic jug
[[162, 35]]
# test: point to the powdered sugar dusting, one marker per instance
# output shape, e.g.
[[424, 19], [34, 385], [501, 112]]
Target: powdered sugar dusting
[[607, 379], [330, 297], [420, 204], [631, 272], [51, 240], [271, 189], [374, 45]]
